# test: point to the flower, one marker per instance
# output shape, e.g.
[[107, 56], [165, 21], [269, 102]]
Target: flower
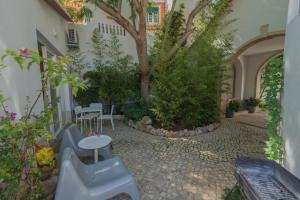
[[13, 116], [45, 156], [24, 52], [27, 168], [3, 186]]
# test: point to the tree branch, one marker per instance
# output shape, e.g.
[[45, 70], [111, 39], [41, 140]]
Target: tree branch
[[200, 6], [117, 17], [189, 27], [180, 42]]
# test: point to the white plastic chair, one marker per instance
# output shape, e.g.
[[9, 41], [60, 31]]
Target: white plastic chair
[[100, 181], [103, 117], [97, 105], [78, 111]]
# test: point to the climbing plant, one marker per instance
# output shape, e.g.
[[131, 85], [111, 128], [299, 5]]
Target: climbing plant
[[273, 84]]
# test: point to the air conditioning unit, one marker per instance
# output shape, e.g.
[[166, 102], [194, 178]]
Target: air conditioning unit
[[72, 38]]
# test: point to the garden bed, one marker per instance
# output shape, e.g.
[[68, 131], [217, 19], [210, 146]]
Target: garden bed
[[145, 125]]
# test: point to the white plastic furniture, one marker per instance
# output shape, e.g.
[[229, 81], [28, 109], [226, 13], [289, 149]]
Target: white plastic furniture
[[95, 143], [98, 105], [103, 117], [100, 181], [87, 114], [69, 137]]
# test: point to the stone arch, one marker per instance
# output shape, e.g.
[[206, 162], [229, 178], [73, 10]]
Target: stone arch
[[256, 40], [248, 63]]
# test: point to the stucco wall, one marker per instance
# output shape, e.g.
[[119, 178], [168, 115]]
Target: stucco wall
[[19, 21], [254, 63], [251, 15], [85, 32], [291, 97]]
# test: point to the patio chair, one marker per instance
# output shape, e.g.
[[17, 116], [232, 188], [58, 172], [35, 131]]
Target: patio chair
[[71, 137], [102, 180], [97, 105], [77, 111], [103, 117]]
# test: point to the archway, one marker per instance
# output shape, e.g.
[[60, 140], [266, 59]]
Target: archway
[[259, 81], [250, 59]]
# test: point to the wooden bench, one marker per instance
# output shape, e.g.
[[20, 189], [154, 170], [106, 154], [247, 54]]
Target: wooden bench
[[266, 180]]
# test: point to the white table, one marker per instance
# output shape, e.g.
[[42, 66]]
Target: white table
[[95, 143]]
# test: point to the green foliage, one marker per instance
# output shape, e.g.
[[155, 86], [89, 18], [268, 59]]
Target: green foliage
[[83, 14], [252, 102], [273, 83], [187, 90], [114, 79], [18, 167], [136, 111], [234, 105], [168, 35], [234, 193]]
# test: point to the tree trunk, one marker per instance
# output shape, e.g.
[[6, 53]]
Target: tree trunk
[[144, 66]]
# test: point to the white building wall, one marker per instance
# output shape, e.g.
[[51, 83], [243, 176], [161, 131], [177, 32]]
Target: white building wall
[[291, 97], [85, 33], [251, 15], [19, 21]]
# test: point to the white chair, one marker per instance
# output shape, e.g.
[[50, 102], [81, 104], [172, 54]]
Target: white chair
[[78, 111], [100, 181], [103, 117], [97, 105]]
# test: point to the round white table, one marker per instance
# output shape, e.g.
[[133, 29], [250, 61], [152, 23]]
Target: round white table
[[95, 143]]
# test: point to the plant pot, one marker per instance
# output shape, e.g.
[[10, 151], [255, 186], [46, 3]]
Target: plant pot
[[229, 113], [251, 109]]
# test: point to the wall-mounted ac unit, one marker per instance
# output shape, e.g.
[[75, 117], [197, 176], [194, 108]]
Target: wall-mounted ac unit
[[72, 38]]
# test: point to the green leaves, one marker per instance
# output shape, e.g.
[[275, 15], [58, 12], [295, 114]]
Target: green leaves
[[18, 138], [273, 83]]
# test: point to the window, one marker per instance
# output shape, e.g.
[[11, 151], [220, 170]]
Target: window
[[153, 16]]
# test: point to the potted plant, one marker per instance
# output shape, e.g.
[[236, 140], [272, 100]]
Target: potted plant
[[233, 106], [251, 104]]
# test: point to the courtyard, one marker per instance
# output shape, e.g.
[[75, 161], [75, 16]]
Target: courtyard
[[191, 168]]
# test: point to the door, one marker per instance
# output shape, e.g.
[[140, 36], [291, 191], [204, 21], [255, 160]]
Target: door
[[51, 94]]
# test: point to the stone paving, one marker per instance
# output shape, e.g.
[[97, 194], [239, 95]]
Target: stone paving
[[192, 168]]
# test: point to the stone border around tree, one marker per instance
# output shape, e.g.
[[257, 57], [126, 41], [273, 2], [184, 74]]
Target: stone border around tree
[[145, 125]]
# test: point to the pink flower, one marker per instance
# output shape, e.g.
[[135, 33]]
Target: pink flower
[[24, 52], [27, 168], [3, 186], [13, 116]]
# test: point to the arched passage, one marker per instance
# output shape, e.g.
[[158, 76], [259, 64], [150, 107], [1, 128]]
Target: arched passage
[[249, 60], [259, 90]]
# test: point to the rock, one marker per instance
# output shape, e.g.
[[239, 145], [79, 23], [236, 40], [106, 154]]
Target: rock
[[210, 128], [130, 123], [50, 185], [146, 120], [149, 128]]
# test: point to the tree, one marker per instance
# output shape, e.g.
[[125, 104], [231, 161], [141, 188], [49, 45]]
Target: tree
[[136, 26]]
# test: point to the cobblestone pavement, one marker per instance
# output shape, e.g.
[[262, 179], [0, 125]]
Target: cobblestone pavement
[[192, 168], [257, 119]]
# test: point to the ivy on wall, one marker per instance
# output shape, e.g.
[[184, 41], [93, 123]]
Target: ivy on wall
[[273, 86]]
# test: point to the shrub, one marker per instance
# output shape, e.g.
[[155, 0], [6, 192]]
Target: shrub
[[137, 110], [252, 102], [18, 137], [234, 193], [187, 90], [234, 105], [114, 79]]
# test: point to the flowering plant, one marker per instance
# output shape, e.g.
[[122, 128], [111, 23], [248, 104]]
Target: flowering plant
[[20, 176], [45, 156]]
